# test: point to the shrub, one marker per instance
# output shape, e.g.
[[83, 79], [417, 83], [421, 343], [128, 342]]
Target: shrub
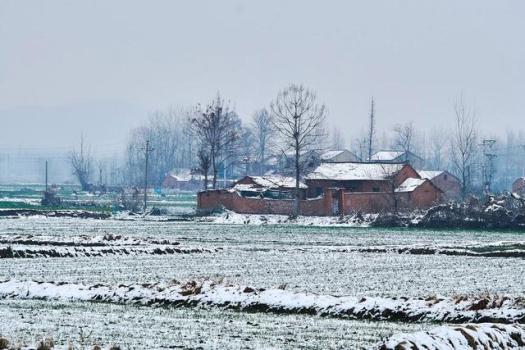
[[4, 343], [45, 344]]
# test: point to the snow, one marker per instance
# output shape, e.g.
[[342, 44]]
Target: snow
[[208, 293], [354, 171], [386, 155], [247, 187], [185, 175], [429, 174], [465, 337], [232, 218], [274, 182], [410, 184], [330, 154]]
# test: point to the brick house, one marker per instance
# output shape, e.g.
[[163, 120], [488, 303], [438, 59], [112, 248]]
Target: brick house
[[518, 186], [374, 187], [445, 181], [269, 186], [397, 157], [331, 189], [358, 177], [183, 179], [338, 156]]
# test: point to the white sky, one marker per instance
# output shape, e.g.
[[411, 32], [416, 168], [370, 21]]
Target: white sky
[[98, 67]]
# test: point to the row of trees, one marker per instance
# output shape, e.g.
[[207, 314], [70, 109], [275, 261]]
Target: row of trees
[[212, 140]]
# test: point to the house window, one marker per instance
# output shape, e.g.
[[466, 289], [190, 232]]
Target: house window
[[375, 189], [318, 191], [445, 177]]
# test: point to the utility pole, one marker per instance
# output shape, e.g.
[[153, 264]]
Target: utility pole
[[371, 130], [523, 147], [488, 164], [46, 178], [148, 150]]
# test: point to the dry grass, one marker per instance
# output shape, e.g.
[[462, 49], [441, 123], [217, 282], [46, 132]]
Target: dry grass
[[4, 343], [191, 288], [45, 344]]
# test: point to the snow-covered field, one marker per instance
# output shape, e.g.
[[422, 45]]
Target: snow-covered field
[[319, 276]]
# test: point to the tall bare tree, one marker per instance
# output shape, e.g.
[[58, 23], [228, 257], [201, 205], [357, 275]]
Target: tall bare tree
[[262, 130], [299, 119], [404, 137], [439, 140], [204, 163], [371, 129], [338, 141], [216, 127], [81, 162], [464, 143]]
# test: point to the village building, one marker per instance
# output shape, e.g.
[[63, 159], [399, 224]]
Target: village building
[[339, 156], [331, 189], [445, 181], [269, 186], [390, 156], [358, 177], [518, 186], [183, 180]]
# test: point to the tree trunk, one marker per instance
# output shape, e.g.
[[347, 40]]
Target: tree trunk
[[297, 174], [261, 163], [214, 168]]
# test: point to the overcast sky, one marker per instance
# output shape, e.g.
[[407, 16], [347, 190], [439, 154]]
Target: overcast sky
[[72, 67]]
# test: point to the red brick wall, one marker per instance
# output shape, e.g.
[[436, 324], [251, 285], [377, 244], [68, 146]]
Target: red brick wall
[[217, 199], [449, 184], [405, 172], [369, 202], [519, 186], [422, 197], [362, 185]]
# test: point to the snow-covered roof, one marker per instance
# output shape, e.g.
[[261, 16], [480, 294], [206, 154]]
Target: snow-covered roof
[[331, 154], [184, 175], [429, 174], [275, 181], [247, 187], [354, 171], [386, 155], [410, 184]]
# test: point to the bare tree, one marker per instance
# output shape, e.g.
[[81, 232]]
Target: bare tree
[[359, 147], [438, 144], [262, 129], [299, 120], [82, 163], [168, 136], [337, 142], [404, 137], [204, 165], [216, 127], [464, 143], [371, 130]]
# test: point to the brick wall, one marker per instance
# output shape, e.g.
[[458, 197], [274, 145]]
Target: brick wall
[[449, 184], [218, 199], [422, 197], [519, 186]]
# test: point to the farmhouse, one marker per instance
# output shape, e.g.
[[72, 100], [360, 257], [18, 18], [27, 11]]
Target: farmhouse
[[183, 179], [338, 156], [331, 189], [445, 181], [268, 186], [358, 177], [397, 157], [518, 186]]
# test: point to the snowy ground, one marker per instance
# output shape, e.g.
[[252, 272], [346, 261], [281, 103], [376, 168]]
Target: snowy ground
[[345, 262]]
